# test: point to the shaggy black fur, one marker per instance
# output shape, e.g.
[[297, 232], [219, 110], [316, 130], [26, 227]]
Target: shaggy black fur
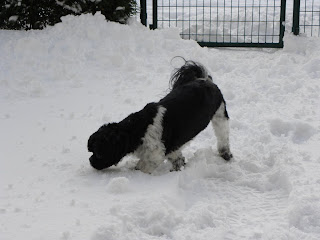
[[115, 140], [190, 106]]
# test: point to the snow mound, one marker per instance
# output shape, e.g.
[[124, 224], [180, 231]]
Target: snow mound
[[119, 185]]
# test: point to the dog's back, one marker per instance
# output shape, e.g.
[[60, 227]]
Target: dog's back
[[190, 105]]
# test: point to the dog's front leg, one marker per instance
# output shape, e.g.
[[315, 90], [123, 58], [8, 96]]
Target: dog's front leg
[[148, 166], [220, 123], [152, 151], [177, 160], [149, 160]]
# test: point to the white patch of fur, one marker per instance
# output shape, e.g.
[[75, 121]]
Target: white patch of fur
[[152, 151], [175, 154], [221, 128], [204, 72]]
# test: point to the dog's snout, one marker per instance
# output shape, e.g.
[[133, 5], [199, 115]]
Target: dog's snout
[[90, 148], [99, 163], [96, 163], [91, 143]]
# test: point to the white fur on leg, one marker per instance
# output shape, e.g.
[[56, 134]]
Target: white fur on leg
[[177, 160], [152, 151], [221, 128]]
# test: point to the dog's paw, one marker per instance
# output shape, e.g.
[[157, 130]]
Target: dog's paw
[[178, 164], [226, 156]]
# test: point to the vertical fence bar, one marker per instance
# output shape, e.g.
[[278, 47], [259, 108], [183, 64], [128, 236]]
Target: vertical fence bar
[[203, 35], [231, 19], [217, 27], [189, 18], [266, 30], [312, 11], [154, 14], [259, 21], [176, 13], [252, 20], [282, 21], [224, 19], [238, 22], [305, 16], [245, 20], [182, 18], [162, 13], [273, 19], [296, 17], [143, 12], [196, 20], [169, 13], [210, 27]]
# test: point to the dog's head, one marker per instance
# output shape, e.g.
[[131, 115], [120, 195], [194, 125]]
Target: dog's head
[[106, 146]]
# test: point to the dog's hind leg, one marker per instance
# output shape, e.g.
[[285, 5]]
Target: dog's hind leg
[[177, 160], [220, 123]]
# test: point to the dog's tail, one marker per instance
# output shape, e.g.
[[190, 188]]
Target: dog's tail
[[189, 72]]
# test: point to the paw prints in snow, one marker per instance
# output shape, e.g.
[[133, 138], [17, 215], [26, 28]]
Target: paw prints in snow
[[299, 132]]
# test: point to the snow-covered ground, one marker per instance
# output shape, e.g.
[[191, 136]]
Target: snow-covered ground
[[58, 85]]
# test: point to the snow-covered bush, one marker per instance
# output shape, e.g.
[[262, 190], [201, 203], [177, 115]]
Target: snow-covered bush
[[113, 10], [37, 14]]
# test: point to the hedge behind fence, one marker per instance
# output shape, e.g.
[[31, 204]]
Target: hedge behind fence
[[37, 14]]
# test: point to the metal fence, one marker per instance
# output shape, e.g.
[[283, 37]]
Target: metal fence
[[241, 23], [233, 23], [306, 17]]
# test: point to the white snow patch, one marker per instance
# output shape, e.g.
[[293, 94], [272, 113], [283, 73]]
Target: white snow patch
[[119, 185], [298, 131]]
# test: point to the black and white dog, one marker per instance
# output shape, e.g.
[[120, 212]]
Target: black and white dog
[[161, 129]]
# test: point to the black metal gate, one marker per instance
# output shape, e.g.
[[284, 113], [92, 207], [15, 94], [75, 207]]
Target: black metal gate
[[223, 23], [306, 17]]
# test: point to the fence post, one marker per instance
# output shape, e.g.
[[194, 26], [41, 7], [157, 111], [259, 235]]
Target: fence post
[[154, 24], [143, 12], [282, 21], [296, 17]]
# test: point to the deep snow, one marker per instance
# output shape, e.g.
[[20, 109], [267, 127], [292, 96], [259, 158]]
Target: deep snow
[[60, 84]]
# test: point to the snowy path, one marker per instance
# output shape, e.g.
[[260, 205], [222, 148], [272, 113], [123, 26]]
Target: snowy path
[[59, 85]]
